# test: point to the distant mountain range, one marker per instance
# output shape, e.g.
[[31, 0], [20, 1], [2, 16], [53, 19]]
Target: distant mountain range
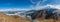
[[24, 12]]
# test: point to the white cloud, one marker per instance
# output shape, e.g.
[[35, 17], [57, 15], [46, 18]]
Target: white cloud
[[55, 6], [32, 8], [37, 6], [13, 9], [46, 6]]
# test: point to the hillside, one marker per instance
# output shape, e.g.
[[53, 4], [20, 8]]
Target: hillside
[[6, 18]]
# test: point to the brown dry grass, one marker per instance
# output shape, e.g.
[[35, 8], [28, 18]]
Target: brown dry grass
[[20, 19], [6, 18]]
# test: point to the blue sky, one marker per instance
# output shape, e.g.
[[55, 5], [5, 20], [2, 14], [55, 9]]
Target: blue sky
[[23, 3]]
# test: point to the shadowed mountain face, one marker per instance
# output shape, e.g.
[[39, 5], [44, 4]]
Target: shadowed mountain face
[[49, 12], [34, 13]]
